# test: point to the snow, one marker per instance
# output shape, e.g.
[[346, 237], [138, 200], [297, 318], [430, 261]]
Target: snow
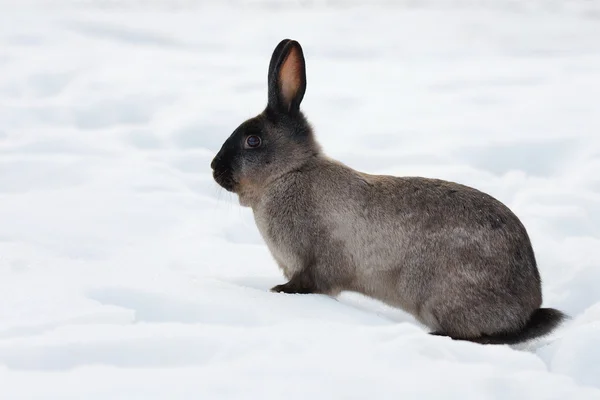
[[126, 272]]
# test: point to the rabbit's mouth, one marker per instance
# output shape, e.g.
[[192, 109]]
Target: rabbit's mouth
[[225, 180]]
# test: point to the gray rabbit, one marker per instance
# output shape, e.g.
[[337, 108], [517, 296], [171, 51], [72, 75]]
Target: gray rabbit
[[456, 258]]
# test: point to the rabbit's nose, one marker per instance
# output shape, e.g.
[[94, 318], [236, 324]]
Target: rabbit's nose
[[215, 160]]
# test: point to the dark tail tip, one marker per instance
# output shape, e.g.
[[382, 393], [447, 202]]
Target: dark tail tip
[[541, 323], [545, 320]]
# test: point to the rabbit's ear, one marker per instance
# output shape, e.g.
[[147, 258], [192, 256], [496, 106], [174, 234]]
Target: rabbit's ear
[[275, 58], [287, 77]]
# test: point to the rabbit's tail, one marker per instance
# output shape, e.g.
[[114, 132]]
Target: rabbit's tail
[[542, 322]]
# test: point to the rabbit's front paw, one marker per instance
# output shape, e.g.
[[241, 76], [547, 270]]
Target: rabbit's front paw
[[291, 287]]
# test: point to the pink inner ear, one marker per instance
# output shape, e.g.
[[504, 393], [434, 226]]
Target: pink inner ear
[[289, 77]]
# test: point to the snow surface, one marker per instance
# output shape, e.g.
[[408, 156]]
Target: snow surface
[[126, 273]]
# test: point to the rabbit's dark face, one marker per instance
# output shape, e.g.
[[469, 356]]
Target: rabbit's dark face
[[246, 144], [261, 149], [276, 141]]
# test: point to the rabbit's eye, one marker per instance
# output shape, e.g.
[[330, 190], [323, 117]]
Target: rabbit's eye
[[253, 141]]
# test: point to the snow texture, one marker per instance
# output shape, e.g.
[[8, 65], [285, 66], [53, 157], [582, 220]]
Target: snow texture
[[127, 273]]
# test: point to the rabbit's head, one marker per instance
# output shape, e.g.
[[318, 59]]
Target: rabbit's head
[[276, 141]]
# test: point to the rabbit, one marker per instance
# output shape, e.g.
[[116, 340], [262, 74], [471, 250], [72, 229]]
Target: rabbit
[[455, 258]]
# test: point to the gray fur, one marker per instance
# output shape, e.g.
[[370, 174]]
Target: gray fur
[[456, 258]]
